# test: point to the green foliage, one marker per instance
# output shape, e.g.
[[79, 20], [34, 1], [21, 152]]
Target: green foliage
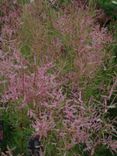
[[109, 7], [23, 1], [102, 151], [17, 130], [78, 149]]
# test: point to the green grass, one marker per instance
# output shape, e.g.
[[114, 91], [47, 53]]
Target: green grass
[[108, 6], [17, 129]]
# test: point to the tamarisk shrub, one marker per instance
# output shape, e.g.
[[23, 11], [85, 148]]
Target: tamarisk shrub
[[85, 37], [68, 120], [52, 113], [10, 12]]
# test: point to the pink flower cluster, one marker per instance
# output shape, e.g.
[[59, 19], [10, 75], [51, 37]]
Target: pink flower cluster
[[85, 37], [10, 12], [38, 89]]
